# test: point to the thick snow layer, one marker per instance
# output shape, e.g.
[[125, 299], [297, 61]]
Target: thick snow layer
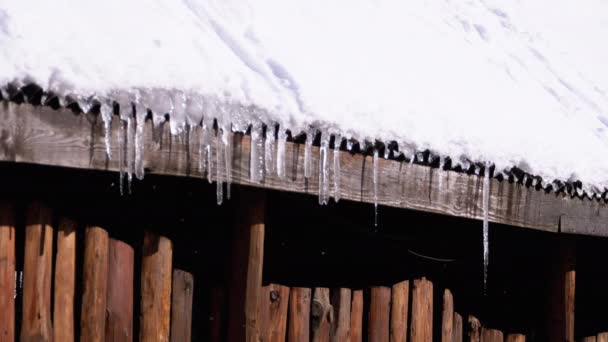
[[515, 83]]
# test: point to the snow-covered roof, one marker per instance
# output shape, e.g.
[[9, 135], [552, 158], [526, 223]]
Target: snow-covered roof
[[518, 84]]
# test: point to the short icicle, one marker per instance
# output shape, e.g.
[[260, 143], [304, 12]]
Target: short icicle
[[281, 145], [324, 169], [375, 181], [337, 170], [205, 149], [310, 137], [140, 115], [106, 115], [256, 157], [486, 239], [269, 150]]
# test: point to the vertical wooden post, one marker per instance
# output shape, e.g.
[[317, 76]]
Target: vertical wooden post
[[601, 337], [519, 338], [273, 313], [447, 321], [36, 322], [7, 273], [492, 335], [95, 285], [119, 323], [457, 328], [65, 281], [340, 327], [181, 306], [248, 250], [216, 318], [589, 339], [321, 314], [563, 286], [356, 317], [399, 311], [474, 329], [157, 258], [422, 311], [379, 314], [299, 315]]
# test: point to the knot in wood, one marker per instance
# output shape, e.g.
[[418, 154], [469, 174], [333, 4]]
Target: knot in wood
[[274, 296]]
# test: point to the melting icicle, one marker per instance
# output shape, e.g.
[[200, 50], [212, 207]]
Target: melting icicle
[[375, 180], [106, 115], [204, 159], [121, 152], [281, 142], [324, 169], [130, 151], [256, 170], [218, 168], [227, 141], [269, 150], [486, 240], [337, 171], [140, 122], [310, 137]]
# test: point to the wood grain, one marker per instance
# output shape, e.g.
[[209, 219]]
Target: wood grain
[[119, 322], [65, 281], [340, 328], [7, 272], [44, 136], [356, 317], [299, 315], [601, 337], [588, 339], [458, 334], [321, 315], [273, 313], [447, 320], [36, 322], [563, 290], [94, 285], [399, 311], [422, 311], [379, 314], [181, 306], [492, 335], [520, 338]]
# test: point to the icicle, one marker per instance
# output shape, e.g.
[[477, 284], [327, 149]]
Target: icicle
[[324, 169], [227, 141], [218, 168], [85, 104], [256, 170], [387, 152], [375, 180], [140, 122], [121, 152], [310, 137], [204, 160], [486, 240], [349, 145], [130, 151], [337, 171], [269, 150], [106, 115], [281, 141]]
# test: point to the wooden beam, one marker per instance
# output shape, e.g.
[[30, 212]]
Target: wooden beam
[[474, 329], [379, 314], [65, 281], [273, 307], [321, 315], [399, 311], [562, 292], [457, 328], [422, 311], [601, 337], [44, 136], [491, 335], [119, 322], [520, 338], [340, 328], [94, 285], [7, 272], [356, 317], [589, 339], [36, 323], [181, 306], [157, 258], [299, 315], [447, 320]]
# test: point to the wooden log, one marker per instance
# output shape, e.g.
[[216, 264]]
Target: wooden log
[[119, 323], [94, 285], [321, 314], [7, 272], [519, 338], [36, 322], [422, 311], [299, 315], [492, 335], [399, 311], [457, 328], [447, 320], [356, 317], [340, 328], [474, 329], [65, 281], [589, 339], [181, 306], [379, 314], [563, 287], [216, 317], [274, 306], [601, 337], [157, 257]]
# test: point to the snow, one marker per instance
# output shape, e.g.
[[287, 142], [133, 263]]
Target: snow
[[518, 83]]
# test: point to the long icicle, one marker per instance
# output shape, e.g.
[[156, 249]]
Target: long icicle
[[269, 150], [486, 238], [227, 141], [140, 124], [375, 180], [310, 137], [256, 158], [337, 169], [281, 142], [218, 168], [106, 110], [324, 169]]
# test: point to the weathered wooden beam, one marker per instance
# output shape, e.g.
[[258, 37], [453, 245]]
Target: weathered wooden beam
[[321, 315], [457, 328], [65, 281], [379, 314], [356, 317], [491, 335], [422, 311], [299, 315], [44, 136], [340, 328], [521, 338], [562, 292], [7, 272], [94, 285], [36, 323], [181, 306], [474, 329], [447, 321], [119, 322], [399, 311], [273, 313], [601, 337]]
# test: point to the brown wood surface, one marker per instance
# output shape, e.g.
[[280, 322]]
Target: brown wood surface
[[519, 338], [447, 320], [457, 328], [36, 322], [119, 322], [378, 325], [422, 311], [321, 315], [157, 257], [65, 281], [474, 329], [356, 317], [400, 295], [94, 285], [181, 306], [273, 313], [563, 288], [589, 339], [299, 315], [217, 314], [7, 272], [340, 328], [491, 335], [601, 337], [44, 136]]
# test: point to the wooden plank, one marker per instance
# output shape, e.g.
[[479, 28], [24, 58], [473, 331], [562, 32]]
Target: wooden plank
[[447, 321], [492, 335], [340, 327], [181, 306], [474, 329], [519, 338], [589, 339], [356, 317], [321, 315], [563, 288], [65, 281], [157, 256], [94, 285], [601, 337], [43, 136], [399, 311], [422, 311], [217, 314], [379, 314], [273, 307], [7, 272], [119, 322], [299, 315], [457, 328], [36, 322]]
